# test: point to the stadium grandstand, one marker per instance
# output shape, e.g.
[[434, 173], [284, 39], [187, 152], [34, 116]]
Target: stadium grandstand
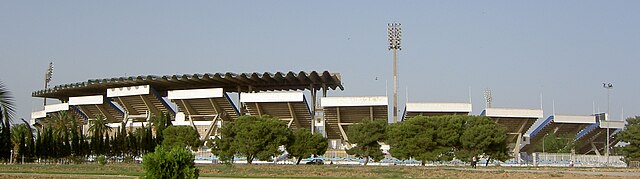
[[291, 107], [206, 101], [558, 125], [516, 122], [341, 112], [201, 100], [205, 109], [593, 139], [435, 109]]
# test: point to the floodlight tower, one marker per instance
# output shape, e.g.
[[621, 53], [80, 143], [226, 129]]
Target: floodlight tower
[[395, 34], [47, 78], [487, 97], [607, 86]]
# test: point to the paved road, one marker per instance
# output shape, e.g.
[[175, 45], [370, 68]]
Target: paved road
[[620, 174]]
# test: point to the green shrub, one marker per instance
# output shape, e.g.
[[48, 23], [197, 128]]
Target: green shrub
[[174, 163], [102, 160]]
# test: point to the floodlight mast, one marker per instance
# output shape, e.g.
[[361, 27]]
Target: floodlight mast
[[487, 97], [395, 34], [47, 78], [607, 86]]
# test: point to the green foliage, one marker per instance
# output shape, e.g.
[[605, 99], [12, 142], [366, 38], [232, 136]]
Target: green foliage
[[181, 136], [553, 143], [102, 160], [303, 144], [22, 138], [7, 112], [159, 123], [98, 126], [254, 137], [425, 138], [441, 138], [631, 134], [174, 163], [483, 136], [366, 137]]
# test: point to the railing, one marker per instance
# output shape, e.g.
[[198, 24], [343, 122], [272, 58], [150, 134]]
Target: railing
[[565, 159]]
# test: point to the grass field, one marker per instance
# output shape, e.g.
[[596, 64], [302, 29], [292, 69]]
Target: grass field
[[294, 171]]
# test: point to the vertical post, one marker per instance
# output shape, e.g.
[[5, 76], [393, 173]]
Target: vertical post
[[606, 115], [47, 79], [395, 32], [487, 97], [324, 90], [313, 109], [608, 86], [239, 103], [395, 87]]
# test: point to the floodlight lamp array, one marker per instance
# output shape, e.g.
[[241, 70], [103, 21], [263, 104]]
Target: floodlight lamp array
[[395, 35]]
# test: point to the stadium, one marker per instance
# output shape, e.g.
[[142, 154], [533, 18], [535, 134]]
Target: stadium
[[206, 101]]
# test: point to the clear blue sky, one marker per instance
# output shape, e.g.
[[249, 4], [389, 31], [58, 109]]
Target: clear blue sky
[[564, 49]]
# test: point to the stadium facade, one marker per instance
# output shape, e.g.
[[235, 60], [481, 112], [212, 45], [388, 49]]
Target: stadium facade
[[203, 101]]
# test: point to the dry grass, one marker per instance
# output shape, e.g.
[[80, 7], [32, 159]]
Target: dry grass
[[341, 171], [290, 171]]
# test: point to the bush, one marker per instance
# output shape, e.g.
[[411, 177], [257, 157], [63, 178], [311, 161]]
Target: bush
[[102, 160], [174, 163]]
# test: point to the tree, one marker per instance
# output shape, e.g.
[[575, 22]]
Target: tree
[[482, 136], [181, 136], [553, 143], [303, 144], [412, 138], [62, 122], [159, 123], [20, 133], [366, 137], [631, 135], [7, 112], [176, 162], [98, 129], [98, 125], [442, 138], [426, 138], [254, 137]]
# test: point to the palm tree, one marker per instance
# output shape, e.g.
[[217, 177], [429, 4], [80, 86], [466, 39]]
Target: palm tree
[[61, 122], [7, 112], [7, 107], [99, 125], [20, 133], [97, 129]]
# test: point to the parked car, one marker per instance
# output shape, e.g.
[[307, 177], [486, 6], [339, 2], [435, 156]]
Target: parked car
[[315, 162]]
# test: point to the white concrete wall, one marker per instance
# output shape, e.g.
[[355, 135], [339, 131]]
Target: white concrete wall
[[56, 107], [574, 119], [38, 115], [187, 123], [439, 107], [272, 97], [128, 91], [611, 124], [86, 100], [354, 101], [514, 113], [196, 93]]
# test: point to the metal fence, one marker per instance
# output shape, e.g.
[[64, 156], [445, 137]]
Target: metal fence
[[566, 159]]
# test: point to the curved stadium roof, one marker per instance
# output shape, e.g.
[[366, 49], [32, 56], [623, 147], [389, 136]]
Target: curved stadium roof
[[231, 82]]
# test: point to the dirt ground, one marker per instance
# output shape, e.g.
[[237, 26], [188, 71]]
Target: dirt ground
[[316, 171]]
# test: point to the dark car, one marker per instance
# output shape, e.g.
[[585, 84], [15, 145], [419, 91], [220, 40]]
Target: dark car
[[315, 162]]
